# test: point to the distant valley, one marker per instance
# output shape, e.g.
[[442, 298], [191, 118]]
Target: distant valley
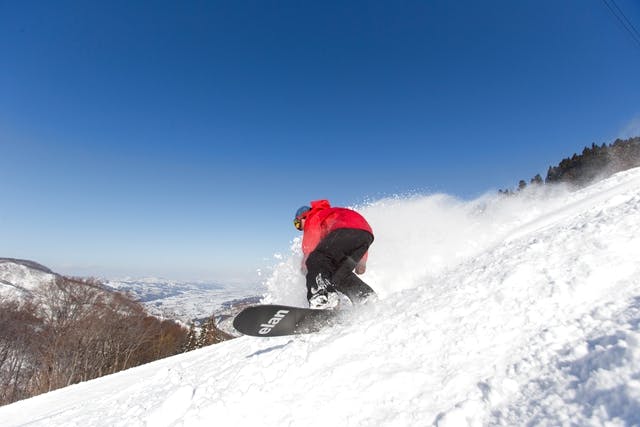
[[182, 301]]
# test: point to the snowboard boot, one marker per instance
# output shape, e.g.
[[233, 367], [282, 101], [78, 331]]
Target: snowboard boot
[[323, 295]]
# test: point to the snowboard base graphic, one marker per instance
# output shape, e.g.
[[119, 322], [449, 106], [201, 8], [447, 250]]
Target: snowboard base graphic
[[272, 320]]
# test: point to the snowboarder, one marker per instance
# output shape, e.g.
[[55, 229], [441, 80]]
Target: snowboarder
[[335, 242]]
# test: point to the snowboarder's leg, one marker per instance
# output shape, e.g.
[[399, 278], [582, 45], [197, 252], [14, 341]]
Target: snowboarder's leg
[[320, 266], [355, 289], [353, 244], [334, 260]]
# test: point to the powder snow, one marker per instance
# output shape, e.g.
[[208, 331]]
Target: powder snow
[[521, 310]]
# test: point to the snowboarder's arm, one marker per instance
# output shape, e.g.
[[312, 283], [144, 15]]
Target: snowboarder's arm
[[310, 239]]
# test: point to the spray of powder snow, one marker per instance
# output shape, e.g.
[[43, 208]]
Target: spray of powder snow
[[419, 237]]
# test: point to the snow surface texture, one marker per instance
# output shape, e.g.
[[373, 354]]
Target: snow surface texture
[[501, 311]]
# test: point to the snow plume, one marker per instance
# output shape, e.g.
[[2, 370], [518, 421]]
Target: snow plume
[[505, 311], [286, 284], [419, 237]]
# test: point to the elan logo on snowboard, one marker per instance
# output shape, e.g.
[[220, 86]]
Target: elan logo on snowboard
[[266, 327]]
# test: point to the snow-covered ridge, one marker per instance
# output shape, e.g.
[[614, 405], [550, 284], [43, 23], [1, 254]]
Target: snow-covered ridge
[[498, 311], [18, 278], [183, 301]]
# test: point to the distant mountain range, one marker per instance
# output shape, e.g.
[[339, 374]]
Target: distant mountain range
[[184, 301]]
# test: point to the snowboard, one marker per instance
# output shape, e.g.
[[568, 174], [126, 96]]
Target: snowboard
[[271, 320]]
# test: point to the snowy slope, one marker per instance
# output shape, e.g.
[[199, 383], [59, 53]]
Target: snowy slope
[[19, 278], [500, 311]]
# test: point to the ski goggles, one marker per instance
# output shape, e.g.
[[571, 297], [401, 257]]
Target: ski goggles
[[300, 215], [297, 221]]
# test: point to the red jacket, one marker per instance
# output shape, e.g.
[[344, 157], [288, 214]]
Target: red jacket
[[322, 219]]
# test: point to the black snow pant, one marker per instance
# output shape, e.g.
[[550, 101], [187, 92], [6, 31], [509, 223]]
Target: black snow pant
[[335, 258]]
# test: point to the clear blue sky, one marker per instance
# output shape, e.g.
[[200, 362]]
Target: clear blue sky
[[177, 138]]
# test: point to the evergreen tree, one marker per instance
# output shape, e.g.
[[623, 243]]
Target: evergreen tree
[[595, 162], [211, 334], [192, 339], [537, 180]]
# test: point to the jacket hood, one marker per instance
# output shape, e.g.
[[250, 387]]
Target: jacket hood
[[320, 204]]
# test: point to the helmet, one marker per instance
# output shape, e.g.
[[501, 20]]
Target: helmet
[[300, 215]]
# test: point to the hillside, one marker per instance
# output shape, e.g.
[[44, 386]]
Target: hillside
[[56, 331], [498, 311], [19, 278], [182, 301]]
